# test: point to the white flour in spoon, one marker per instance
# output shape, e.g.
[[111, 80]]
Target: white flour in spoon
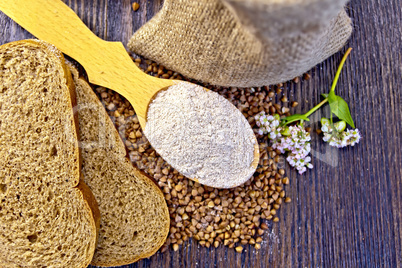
[[201, 135]]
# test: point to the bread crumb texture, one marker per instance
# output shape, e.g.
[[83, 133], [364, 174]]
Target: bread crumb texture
[[134, 214], [44, 220]]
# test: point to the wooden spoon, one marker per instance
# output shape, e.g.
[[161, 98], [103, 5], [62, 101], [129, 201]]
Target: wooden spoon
[[107, 63]]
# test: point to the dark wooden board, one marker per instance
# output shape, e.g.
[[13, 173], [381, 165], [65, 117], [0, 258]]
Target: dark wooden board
[[347, 211]]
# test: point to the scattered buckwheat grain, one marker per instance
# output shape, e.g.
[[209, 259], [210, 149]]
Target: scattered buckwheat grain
[[230, 217]]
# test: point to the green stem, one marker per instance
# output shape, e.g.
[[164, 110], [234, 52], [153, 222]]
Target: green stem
[[315, 108], [338, 72]]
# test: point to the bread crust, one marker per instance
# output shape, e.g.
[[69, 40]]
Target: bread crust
[[84, 191], [92, 206], [150, 181]]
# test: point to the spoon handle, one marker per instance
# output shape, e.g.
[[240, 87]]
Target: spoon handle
[[56, 23], [106, 63]]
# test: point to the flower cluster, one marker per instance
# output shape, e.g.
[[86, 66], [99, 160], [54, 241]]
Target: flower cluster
[[336, 135], [268, 124], [293, 140], [296, 142]]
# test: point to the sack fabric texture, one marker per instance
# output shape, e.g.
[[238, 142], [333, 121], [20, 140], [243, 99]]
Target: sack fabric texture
[[243, 43]]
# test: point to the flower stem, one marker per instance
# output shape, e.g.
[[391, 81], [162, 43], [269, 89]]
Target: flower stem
[[301, 118], [315, 108], [338, 72]]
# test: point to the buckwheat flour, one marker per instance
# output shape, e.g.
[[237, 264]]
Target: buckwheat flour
[[202, 135]]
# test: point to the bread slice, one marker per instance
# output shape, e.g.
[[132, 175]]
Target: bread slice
[[47, 217], [135, 217]]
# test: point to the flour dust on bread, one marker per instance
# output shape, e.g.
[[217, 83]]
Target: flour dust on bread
[[134, 214], [48, 217]]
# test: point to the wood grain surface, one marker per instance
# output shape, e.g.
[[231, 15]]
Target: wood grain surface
[[347, 211]]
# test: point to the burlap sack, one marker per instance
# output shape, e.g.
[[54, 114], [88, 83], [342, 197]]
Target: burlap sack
[[243, 43]]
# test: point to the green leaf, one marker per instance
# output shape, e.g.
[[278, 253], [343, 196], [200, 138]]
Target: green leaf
[[294, 118], [340, 108], [324, 95]]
